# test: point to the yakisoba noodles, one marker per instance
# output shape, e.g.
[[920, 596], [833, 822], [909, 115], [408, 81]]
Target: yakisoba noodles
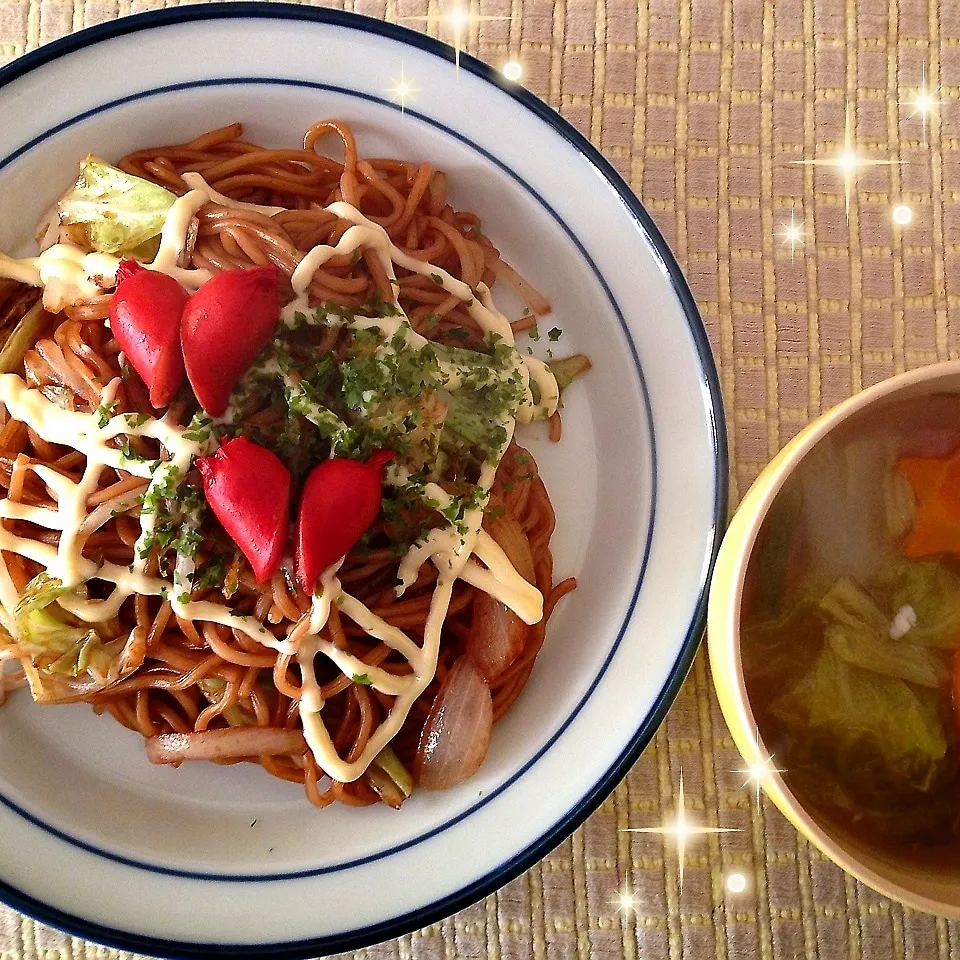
[[119, 585]]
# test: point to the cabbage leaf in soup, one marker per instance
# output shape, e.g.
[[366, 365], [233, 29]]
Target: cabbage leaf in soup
[[858, 720], [857, 715], [932, 590]]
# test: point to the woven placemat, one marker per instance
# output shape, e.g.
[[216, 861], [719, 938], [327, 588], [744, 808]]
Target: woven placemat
[[704, 105]]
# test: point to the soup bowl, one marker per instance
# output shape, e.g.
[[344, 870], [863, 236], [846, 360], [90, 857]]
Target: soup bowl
[[918, 885]]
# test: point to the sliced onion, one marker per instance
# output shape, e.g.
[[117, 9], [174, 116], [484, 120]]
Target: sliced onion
[[229, 744], [384, 787], [513, 541], [497, 634], [456, 735]]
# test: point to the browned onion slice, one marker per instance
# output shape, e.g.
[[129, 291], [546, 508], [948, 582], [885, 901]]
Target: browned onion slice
[[229, 744], [510, 535], [497, 634], [456, 735]]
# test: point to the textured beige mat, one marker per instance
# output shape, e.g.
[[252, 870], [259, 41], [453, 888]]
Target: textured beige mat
[[703, 105]]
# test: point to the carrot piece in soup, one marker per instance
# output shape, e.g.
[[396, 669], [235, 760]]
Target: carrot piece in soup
[[936, 525]]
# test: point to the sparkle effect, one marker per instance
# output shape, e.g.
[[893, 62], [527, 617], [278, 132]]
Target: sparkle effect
[[792, 234], [626, 900], [681, 829], [758, 771], [402, 90], [902, 214], [848, 161], [736, 882], [924, 101], [458, 19], [512, 70]]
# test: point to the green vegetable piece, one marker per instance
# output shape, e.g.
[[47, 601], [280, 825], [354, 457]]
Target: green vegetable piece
[[389, 778], [473, 417], [859, 632], [567, 369], [118, 211], [44, 632], [56, 646], [849, 605], [86, 652], [40, 592], [236, 716], [104, 412], [300, 401], [933, 591], [854, 719], [390, 763], [23, 336], [891, 658], [773, 659]]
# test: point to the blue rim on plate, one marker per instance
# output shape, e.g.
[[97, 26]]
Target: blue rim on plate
[[576, 816]]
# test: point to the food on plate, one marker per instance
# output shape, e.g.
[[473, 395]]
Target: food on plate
[[263, 500]]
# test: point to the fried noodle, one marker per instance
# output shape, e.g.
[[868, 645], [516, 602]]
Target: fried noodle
[[211, 687]]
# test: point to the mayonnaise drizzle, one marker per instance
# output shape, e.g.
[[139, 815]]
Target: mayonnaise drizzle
[[70, 275], [450, 548], [65, 561]]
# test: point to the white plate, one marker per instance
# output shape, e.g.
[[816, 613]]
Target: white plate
[[175, 862]]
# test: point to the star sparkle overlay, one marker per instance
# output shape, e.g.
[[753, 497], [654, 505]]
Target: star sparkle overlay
[[924, 102], [626, 901], [792, 234], [681, 829], [458, 19], [848, 160], [758, 771], [402, 89]]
